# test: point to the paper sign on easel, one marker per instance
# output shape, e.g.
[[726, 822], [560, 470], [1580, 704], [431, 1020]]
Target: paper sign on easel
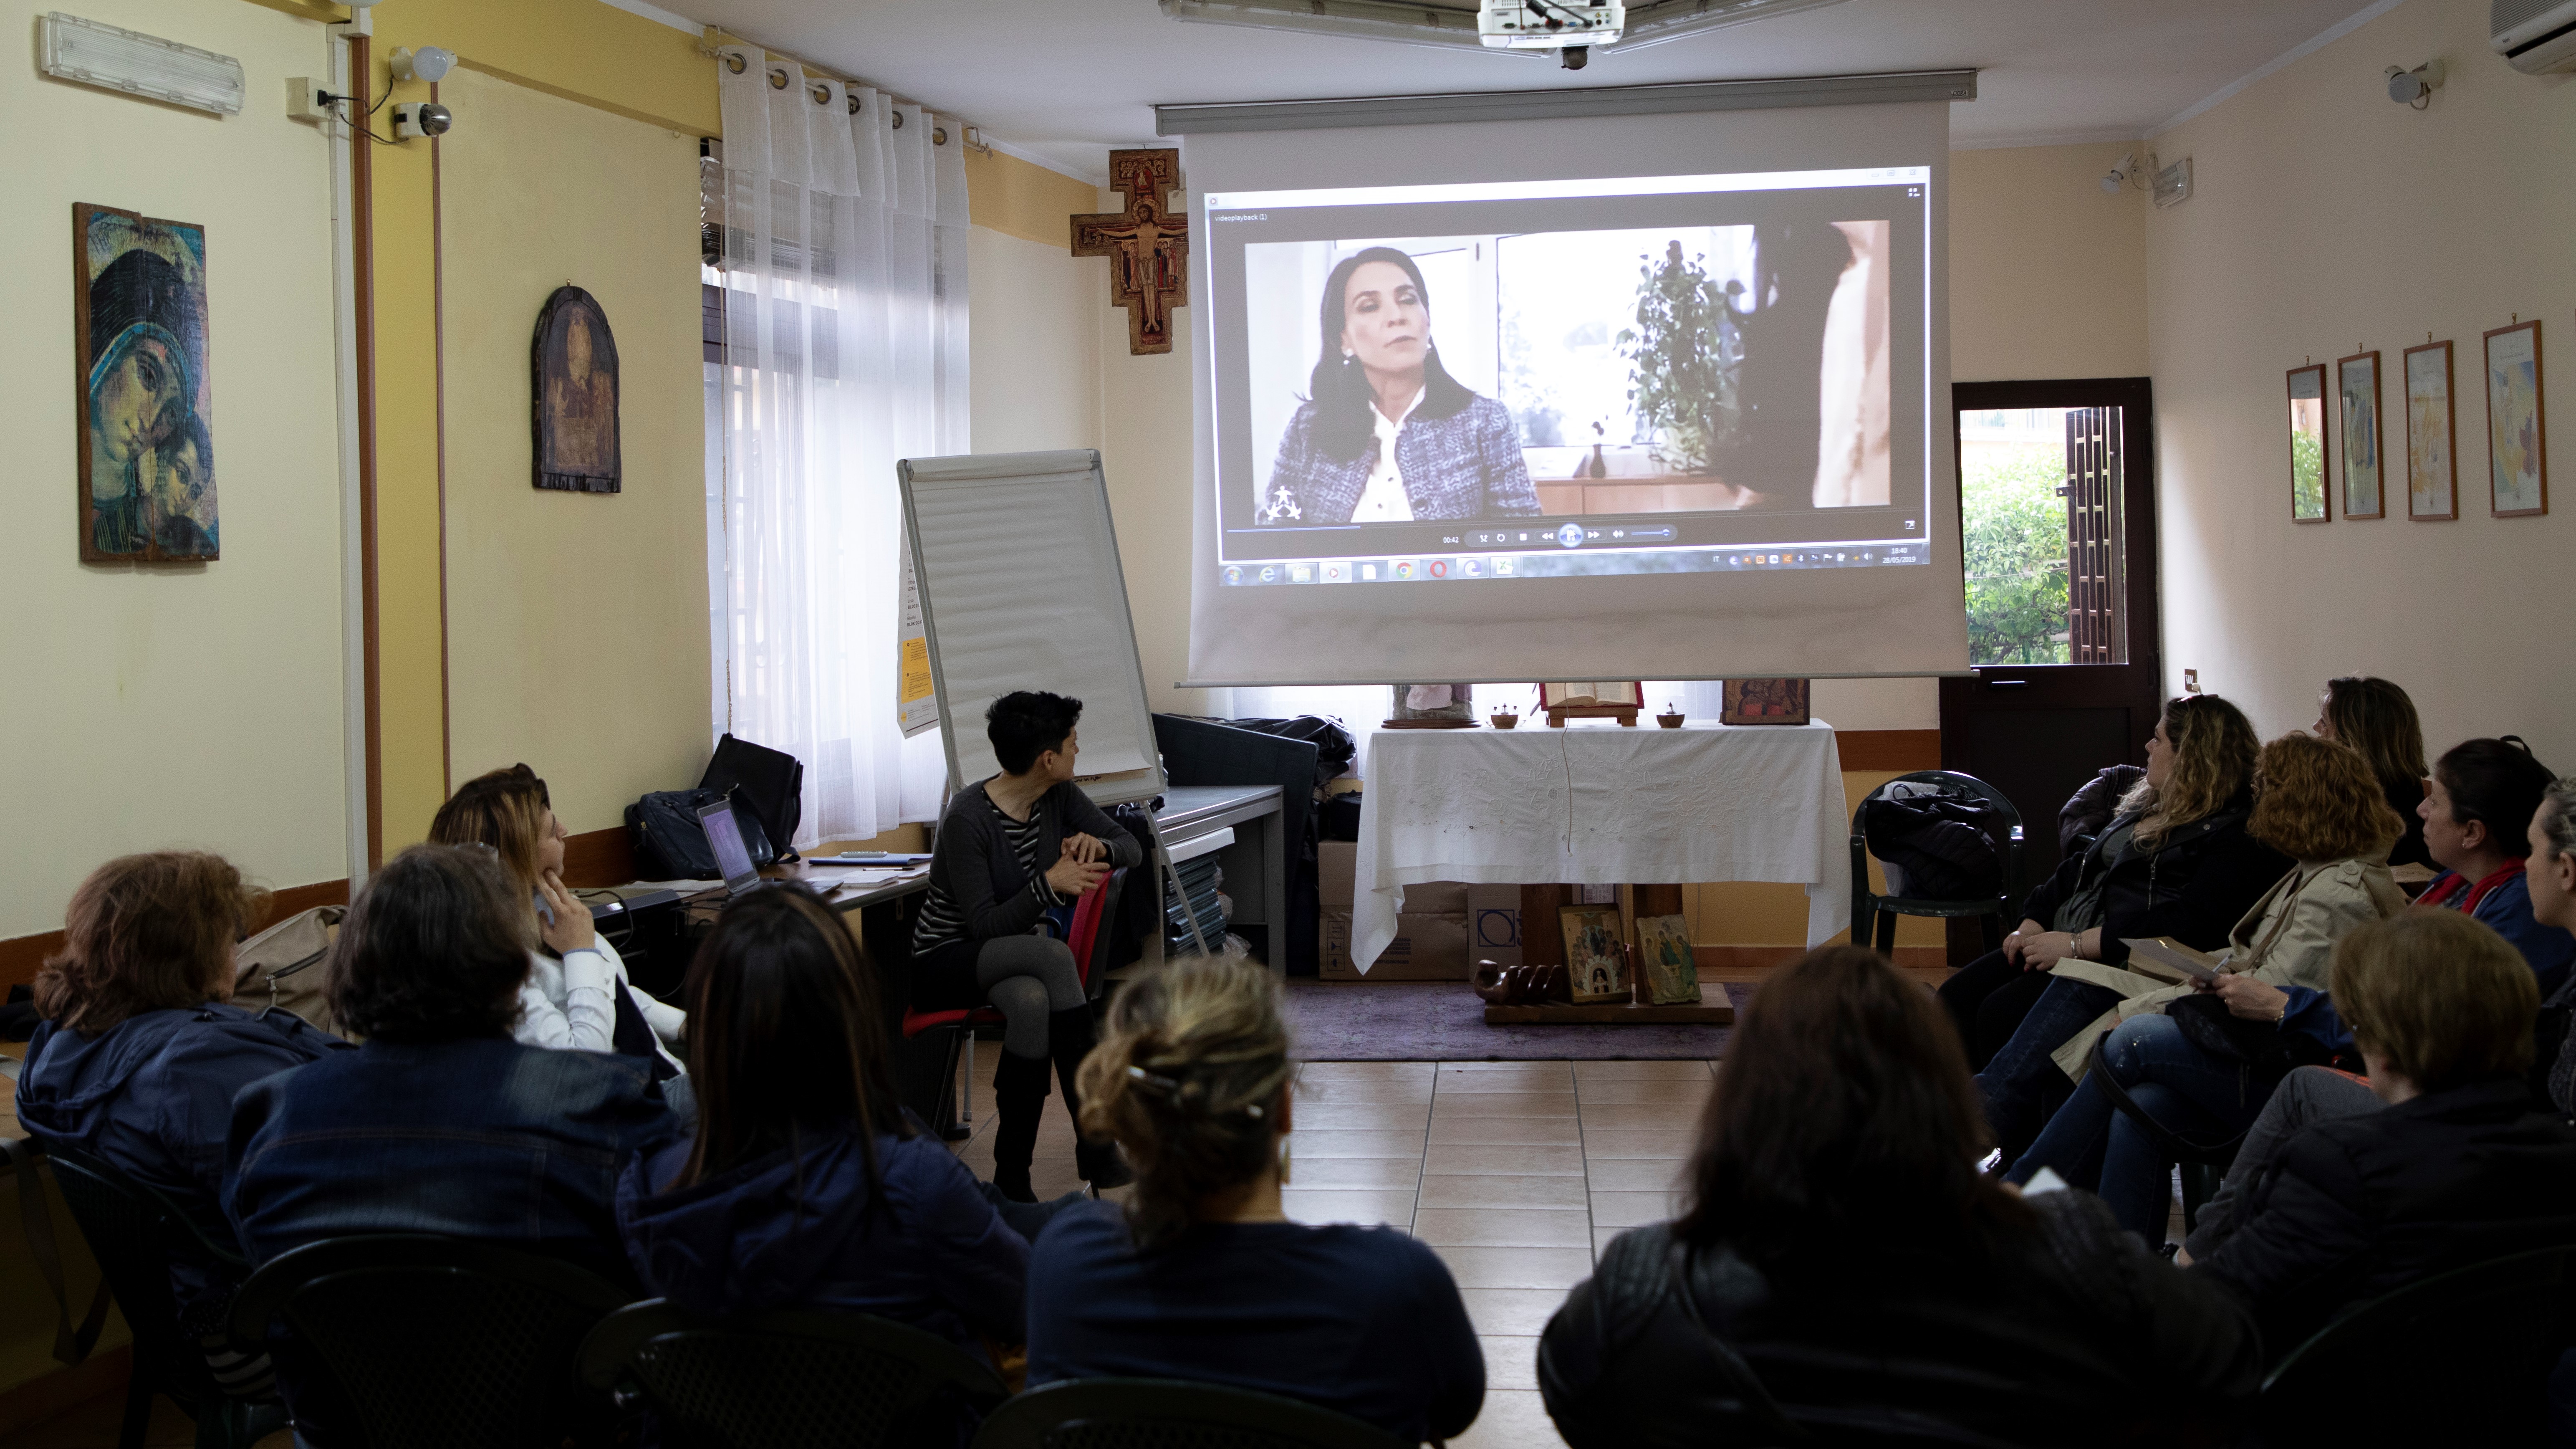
[[916, 698]]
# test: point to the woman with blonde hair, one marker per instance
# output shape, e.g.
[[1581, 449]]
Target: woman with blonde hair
[[1203, 1276], [2203, 1068], [577, 996]]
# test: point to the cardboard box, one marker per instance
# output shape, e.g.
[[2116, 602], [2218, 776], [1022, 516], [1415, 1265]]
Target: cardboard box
[[1336, 863], [1494, 924], [1435, 898], [1425, 948]]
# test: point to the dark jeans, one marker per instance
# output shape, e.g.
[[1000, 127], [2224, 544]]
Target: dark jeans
[[2186, 1090], [2020, 1080], [1986, 999]]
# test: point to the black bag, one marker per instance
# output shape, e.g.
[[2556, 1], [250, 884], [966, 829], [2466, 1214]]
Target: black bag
[[769, 783], [1339, 819], [2264, 1049], [670, 844], [1334, 747], [1943, 849]]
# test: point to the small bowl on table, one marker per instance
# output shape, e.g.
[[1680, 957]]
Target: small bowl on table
[[1671, 721], [1502, 719]]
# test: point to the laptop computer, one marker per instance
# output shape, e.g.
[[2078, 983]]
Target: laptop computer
[[724, 840]]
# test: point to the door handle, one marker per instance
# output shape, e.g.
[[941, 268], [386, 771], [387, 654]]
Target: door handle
[[2007, 684]]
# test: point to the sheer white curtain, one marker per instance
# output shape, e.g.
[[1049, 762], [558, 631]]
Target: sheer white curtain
[[845, 349]]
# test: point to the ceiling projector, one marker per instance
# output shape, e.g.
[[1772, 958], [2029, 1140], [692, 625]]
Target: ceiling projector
[[1570, 26]]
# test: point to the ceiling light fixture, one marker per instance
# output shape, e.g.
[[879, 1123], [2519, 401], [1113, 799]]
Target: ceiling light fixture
[[70, 48], [2415, 87], [1459, 22]]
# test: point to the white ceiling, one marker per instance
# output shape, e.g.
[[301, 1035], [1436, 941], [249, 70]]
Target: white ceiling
[[1067, 79]]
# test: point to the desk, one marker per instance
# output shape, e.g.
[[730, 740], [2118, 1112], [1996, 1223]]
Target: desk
[[1194, 812], [1595, 803]]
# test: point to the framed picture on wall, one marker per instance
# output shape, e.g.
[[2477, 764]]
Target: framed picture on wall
[[2432, 467], [145, 392], [2308, 444], [2517, 448], [2357, 384]]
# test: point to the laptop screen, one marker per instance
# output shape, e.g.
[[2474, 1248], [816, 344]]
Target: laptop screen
[[724, 837]]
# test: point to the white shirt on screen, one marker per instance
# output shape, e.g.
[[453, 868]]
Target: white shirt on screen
[[1383, 500]]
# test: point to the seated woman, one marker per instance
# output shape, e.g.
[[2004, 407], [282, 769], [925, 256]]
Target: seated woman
[[806, 1185], [138, 1055], [1204, 1277], [1011, 849], [2477, 824], [2551, 880], [1385, 434], [2176, 862], [2316, 803], [577, 995], [2458, 1168], [1840, 1247], [2376, 718]]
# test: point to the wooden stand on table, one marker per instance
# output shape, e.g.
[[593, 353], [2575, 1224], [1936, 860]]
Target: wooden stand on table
[[1542, 945]]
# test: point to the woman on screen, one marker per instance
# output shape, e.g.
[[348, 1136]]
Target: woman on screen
[[1386, 435]]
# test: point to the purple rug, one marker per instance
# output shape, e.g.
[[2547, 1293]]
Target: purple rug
[[1442, 1021]]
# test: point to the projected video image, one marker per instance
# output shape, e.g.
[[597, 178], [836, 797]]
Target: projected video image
[[1659, 370]]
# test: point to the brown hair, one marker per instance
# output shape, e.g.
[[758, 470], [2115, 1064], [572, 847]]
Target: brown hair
[[1188, 1078], [1844, 1106], [2376, 718], [2214, 751], [2319, 800], [785, 1037], [147, 933], [434, 948], [2558, 815], [504, 809], [2438, 996]]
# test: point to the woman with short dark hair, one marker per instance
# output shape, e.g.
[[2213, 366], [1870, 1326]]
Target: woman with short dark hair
[[1840, 1251], [2477, 822]]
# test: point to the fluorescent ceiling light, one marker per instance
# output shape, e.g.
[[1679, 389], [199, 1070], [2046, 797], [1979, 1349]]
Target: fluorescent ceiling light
[[1453, 22], [70, 48]]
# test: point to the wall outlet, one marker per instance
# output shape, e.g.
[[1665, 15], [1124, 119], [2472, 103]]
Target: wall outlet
[[2191, 681], [304, 100]]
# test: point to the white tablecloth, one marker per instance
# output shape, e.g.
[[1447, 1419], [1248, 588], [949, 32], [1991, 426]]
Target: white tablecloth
[[1596, 804]]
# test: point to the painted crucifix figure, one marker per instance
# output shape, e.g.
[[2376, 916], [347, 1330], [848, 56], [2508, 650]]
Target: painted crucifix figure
[[1148, 245]]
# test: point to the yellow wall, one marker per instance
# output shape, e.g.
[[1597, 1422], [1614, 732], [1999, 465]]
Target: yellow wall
[[576, 623], [2327, 220], [2047, 272], [176, 703]]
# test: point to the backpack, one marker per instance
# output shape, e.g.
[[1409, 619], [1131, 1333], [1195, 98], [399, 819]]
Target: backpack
[[1936, 847], [670, 844], [768, 783], [285, 966]]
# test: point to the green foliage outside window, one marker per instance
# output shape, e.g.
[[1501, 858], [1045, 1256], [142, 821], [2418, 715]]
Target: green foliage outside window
[[2307, 475], [2014, 525]]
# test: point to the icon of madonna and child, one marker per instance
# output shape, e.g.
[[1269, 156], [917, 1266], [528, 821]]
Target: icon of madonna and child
[[146, 440]]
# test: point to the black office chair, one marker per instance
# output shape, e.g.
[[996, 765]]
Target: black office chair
[[786, 1380], [2463, 1357], [1873, 916], [432, 1342], [134, 1231], [2203, 1164], [1170, 1414]]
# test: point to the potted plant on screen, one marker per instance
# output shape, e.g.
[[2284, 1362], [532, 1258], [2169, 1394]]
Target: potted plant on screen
[[1684, 356]]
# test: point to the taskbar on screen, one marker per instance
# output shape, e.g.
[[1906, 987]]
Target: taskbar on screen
[[1441, 568]]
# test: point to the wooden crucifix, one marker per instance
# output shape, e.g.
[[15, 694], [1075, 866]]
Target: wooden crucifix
[[1148, 245]]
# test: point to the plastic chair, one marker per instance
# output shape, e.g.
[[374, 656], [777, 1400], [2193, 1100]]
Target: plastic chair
[[1170, 1414], [434, 1342], [2463, 1357], [785, 1380], [1873, 917], [1089, 942], [2203, 1164], [133, 1232]]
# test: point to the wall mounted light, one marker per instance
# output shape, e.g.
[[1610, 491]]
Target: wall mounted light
[[70, 48], [2126, 173], [429, 64], [2415, 87]]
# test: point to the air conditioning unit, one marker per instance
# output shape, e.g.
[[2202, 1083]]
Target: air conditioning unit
[[2535, 36]]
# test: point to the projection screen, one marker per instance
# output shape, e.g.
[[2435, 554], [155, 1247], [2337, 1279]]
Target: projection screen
[[1597, 396]]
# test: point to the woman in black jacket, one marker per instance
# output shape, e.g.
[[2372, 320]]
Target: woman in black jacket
[[1843, 1265]]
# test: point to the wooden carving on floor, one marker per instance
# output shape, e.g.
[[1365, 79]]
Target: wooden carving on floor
[[1148, 245]]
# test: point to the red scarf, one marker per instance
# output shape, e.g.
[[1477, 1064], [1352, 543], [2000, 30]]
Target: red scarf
[[2451, 891]]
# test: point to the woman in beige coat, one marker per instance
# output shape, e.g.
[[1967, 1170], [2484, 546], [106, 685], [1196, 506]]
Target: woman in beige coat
[[2318, 803]]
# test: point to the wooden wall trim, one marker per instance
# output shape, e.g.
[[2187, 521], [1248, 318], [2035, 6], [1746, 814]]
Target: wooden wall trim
[[1899, 750], [438, 371], [362, 209], [21, 957]]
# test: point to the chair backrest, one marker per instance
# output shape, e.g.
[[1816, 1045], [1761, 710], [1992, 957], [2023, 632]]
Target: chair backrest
[[1170, 1414], [787, 1380], [2474, 1345], [133, 1231], [1089, 939], [434, 1341], [1956, 786]]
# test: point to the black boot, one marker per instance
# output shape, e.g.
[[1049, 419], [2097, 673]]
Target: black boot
[[1069, 1039], [1019, 1098]]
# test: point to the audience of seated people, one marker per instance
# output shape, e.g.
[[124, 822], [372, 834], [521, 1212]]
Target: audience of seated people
[[577, 995], [138, 1055], [2477, 824], [2201, 1060], [2378, 719], [2177, 862], [1840, 1252], [1202, 1276]]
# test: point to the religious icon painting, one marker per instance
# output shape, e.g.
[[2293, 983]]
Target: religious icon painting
[[575, 361], [146, 404], [1763, 702], [1664, 959], [1148, 245], [1596, 953]]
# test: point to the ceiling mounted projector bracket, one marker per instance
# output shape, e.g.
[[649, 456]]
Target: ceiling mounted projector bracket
[[1474, 23]]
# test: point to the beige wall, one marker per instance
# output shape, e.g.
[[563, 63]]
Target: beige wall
[[2047, 272], [1034, 317], [576, 623], [2327, 220], [175, 704]]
